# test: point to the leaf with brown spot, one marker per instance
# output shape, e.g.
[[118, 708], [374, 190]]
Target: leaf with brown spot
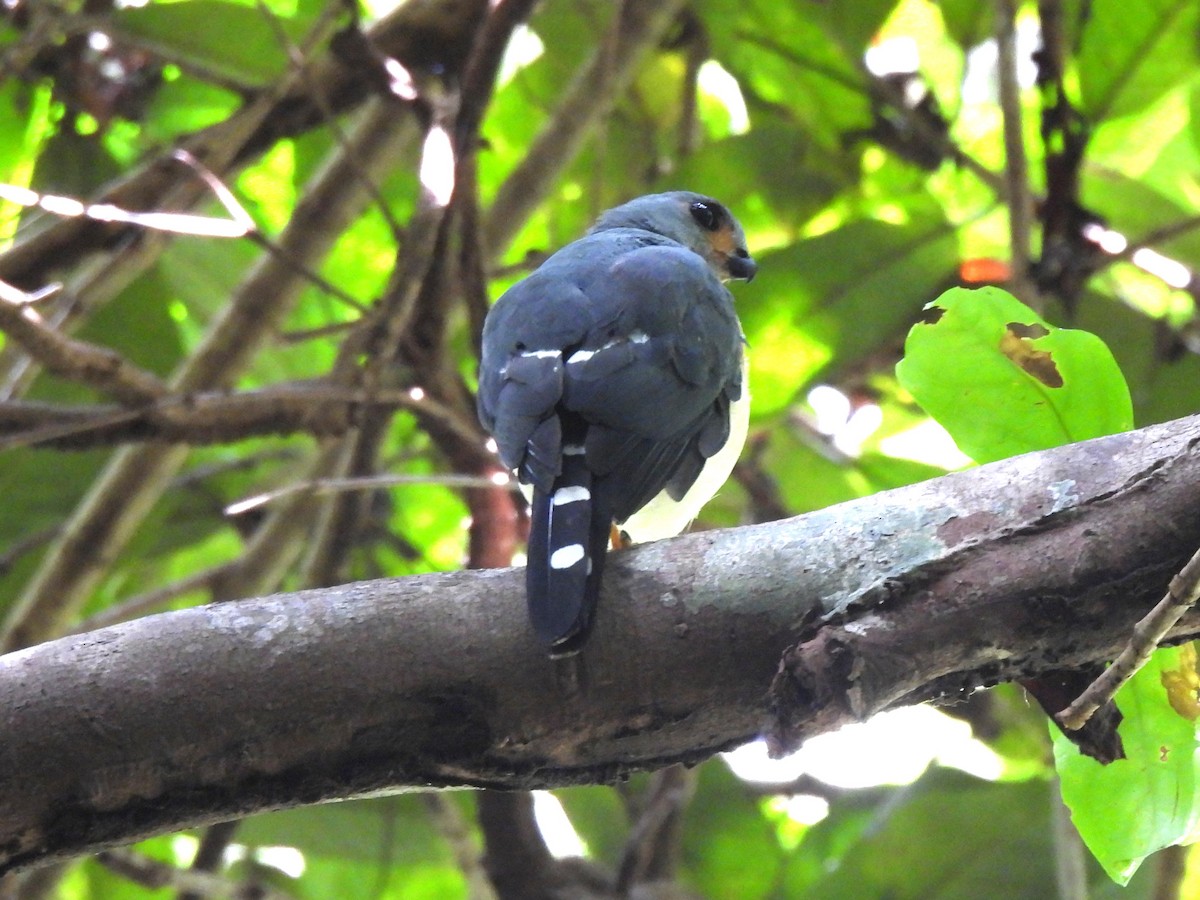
[[1038, 363], [1002, 381], [1183, 684]]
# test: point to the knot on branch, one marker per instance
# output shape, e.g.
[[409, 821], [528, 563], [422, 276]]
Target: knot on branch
[[815, 690]]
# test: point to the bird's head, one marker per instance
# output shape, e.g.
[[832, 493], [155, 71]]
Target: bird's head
[[698, 222]]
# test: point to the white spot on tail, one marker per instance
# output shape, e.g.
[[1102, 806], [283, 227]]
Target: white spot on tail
[[572, 494], [565, 557]]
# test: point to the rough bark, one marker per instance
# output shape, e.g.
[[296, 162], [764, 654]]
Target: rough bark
[[206, 714]]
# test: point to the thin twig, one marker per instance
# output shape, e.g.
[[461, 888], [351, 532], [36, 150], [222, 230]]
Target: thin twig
[[919, 125], [1016, 168], [1182, 593], [95, 282], [315, 407], [370, 483]]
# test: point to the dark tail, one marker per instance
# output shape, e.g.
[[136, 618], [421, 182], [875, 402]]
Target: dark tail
[[567, 544]]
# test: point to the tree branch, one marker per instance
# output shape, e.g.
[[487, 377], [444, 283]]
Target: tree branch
[[194, 716], [586, 101], [133, 480], [1016, 169], [312, 407], [98, 367]]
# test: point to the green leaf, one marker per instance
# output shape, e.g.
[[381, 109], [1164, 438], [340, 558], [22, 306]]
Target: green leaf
[[235, 41], [729, 847], [1131, 54], [947, 836], [936, 821], [1134, 806], [839, 297], [396, 829], [969, 22], [1003, 382]]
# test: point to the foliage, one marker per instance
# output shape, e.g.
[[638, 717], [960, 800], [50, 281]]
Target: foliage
[[1017, 385], [1003, 382], [1147, 801], [865, 194]]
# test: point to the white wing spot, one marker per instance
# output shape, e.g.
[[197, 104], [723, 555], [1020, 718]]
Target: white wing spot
[[542, 354], [580, 356], [565, 557], [572, 494]]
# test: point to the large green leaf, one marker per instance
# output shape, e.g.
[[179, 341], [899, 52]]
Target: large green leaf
[[792, 56], [1003, 382], [235, 41], [948, 836], [1132, 53], [1132, 807], [838, 297], [955, 851], [392, 829]]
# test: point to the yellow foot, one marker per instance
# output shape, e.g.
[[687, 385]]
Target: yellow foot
[[619, 539]]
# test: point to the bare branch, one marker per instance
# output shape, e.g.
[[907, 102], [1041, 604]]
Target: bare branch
[[1016, 169], [94, 283], [921, 592], [585, 103], [131, 483], [98, 367], [312, 407]]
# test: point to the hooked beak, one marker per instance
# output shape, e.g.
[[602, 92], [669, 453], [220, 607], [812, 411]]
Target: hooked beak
[[741, 265]]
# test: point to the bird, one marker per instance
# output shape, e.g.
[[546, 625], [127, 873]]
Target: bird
[[613, 381]]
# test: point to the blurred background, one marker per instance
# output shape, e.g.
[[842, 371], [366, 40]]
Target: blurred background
[[390, 169]]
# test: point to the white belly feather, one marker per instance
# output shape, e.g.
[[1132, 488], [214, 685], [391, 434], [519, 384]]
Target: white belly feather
[[663, 517]]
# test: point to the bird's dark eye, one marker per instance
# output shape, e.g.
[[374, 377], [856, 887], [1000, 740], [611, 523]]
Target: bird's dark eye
[[707, 215]]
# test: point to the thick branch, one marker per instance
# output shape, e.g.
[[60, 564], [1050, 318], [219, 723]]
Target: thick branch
[[203, 714]]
